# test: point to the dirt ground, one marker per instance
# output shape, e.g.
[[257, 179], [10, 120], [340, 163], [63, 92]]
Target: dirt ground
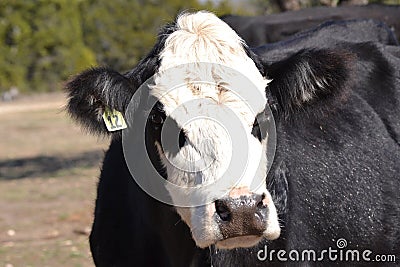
[[48, 175]]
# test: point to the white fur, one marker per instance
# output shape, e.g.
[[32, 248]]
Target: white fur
[[216, 89]]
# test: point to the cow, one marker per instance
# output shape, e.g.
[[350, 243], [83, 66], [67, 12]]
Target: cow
[[327, 110], [272, 28]]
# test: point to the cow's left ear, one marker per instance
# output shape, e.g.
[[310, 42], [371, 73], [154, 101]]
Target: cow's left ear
[[94, 90], [308, 79]]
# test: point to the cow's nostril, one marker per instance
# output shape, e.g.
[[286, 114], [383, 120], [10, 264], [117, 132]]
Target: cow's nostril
[[222, 210], [260, 203]]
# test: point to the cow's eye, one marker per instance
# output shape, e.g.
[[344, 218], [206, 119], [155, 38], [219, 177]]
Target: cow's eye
[[256, 131], [260, 126], [156, 118]]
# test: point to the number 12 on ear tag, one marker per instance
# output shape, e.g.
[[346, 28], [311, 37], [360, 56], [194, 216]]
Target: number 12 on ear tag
[[113, 120]]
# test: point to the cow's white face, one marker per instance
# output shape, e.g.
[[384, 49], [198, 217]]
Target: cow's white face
[[203, 97]]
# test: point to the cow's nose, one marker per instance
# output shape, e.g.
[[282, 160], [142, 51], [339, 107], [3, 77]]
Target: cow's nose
[[241, 215]]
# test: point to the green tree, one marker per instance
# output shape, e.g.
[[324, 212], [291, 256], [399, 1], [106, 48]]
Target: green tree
[[41, 43], [57, 43], [121, 32], [15, 34]]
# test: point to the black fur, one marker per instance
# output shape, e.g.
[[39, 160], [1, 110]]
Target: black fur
[[308, 77], [272, 28], [335, 174]]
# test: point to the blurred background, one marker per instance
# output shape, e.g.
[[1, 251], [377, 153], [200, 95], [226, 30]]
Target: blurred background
[[48, 166]]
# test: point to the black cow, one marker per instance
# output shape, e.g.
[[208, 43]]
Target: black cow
[[260, 30], [334, 181]]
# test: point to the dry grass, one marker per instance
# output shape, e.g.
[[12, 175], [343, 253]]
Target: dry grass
[[48, 174]]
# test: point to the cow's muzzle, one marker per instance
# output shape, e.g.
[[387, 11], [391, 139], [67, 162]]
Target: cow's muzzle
[[242, 217]]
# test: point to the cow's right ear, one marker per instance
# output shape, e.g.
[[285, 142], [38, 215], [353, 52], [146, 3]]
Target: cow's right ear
[[94, 90]]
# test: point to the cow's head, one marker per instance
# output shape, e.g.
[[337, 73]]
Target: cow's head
[[207, 57]]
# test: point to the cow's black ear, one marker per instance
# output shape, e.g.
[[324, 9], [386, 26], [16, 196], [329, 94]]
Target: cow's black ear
[[94, 90], [308, 79]]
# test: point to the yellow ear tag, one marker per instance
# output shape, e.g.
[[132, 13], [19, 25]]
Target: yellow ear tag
[[114, 120]]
